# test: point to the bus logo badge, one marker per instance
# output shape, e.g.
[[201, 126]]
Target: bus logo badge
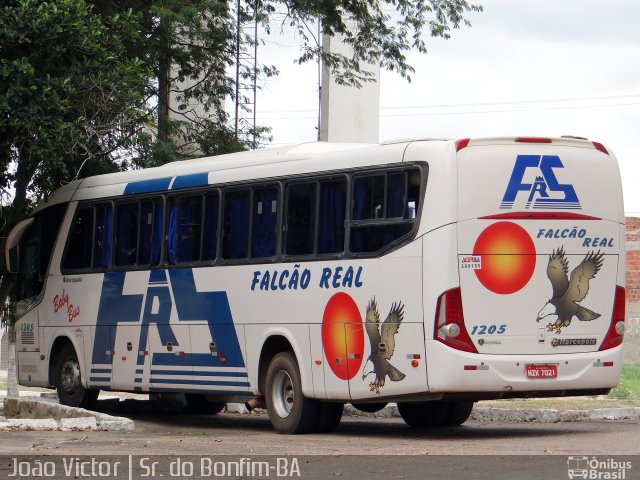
[[542, 189]]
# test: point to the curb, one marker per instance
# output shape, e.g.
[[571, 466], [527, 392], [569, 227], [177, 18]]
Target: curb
[[39, 414]]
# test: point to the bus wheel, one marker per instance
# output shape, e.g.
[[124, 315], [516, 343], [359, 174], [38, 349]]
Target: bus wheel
[[66, 379], [198, 403], [289, 411], [329, 417], [425, 414], [369, 407], [458, 413]]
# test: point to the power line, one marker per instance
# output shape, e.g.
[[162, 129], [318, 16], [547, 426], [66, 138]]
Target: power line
[[469, 112], [480, 104]]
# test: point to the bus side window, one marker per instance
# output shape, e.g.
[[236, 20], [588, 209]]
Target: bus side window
[[79, 244], [150, 232], [102, 236], [384, 208], [126, 238], [185, 228], [210, 234], [235, 239], [301, 215], [333, 199], [264, 222]]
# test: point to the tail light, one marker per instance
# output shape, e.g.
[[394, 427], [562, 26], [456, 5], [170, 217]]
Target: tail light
[[600, 147], [462, 143], [616, 329], [533, 140], [449, 324]]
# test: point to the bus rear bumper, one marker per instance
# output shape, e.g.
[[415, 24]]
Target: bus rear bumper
[[504, 376]]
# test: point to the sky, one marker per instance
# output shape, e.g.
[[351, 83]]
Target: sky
[[534, 68]]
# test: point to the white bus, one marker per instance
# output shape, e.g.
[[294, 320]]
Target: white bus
[[432, 274]]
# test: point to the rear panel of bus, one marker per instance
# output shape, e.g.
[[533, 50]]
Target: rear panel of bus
[[540, 254]]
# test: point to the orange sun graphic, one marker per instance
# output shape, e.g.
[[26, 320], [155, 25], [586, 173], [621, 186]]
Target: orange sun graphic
[[343, 336], [508, 257]]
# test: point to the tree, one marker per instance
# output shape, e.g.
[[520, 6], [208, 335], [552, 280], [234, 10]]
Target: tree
[[85, 85], [197, 40], [72, 100]]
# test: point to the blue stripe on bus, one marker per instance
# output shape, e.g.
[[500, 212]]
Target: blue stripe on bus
[[199, 382], [139, 371], [203, 390], [188, 360], [137, 380], [99, 379], [100, 370], [144, 186], [196, 374], [193, 180]]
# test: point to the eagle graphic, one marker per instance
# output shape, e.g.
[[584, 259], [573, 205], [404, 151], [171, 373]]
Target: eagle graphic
[[568, 292], [383, 343]]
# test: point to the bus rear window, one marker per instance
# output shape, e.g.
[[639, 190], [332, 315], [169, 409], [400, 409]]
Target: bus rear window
[[384, 208]]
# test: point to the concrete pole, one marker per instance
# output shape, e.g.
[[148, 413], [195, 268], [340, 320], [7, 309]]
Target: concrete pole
[[348, 114]]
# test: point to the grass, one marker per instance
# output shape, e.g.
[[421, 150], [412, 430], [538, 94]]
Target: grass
[[629, 387], [626, 394]]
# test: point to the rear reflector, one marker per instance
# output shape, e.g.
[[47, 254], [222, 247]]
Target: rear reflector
[[533, 140], [600, 147], [476, 367], [614, 338], [462, 143], [449, 318]]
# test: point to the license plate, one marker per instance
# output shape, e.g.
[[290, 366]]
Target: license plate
[[541, 371]]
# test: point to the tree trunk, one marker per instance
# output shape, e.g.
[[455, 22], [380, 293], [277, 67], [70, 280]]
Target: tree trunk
[[12, 377]]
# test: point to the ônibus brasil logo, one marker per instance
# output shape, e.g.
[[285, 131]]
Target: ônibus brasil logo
[[544, 192]]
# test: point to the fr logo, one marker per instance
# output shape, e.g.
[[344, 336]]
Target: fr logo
[[544, 192]]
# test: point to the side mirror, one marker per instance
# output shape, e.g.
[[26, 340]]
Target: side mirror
[[13, 259], [12, 249]]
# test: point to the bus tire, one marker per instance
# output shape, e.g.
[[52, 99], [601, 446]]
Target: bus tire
[[329, 417], [458, 413], [66, 379], [425, 414], [289, 411], [198, 403]]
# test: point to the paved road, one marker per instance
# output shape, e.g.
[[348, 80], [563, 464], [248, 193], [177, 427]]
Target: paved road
[[237, 434], [382, 448]]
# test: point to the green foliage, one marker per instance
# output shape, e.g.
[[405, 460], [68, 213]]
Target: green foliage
[[629, 387], [71, 95]]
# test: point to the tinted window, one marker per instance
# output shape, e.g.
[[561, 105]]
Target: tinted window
[[80, 243], [150, 235], [185, 229], [264, 222], [35, 249], [127, 219], [210, 239], [102, 236], [235, 242], [384, 209], [301, 215], [333, 199]]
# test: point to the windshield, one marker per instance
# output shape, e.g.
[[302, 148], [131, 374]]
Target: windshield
[[36, 246]]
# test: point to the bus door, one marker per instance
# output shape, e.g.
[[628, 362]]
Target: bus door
[[333, 352], [127, 362]]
